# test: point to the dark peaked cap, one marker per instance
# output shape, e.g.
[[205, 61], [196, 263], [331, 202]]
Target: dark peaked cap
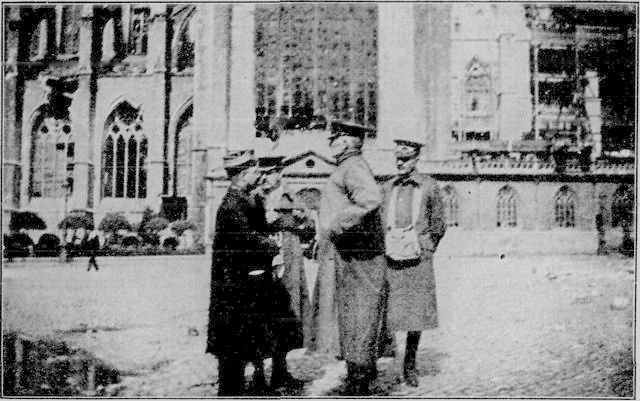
[[341, 128], [236, 162], [270, 163]]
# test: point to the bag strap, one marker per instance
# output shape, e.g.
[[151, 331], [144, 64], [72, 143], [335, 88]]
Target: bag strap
[[417, 200]]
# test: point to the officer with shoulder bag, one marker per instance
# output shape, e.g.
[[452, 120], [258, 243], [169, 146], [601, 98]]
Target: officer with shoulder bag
[[413, 217]]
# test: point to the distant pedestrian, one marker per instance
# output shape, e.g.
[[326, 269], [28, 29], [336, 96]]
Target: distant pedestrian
[[600, 226], [92, 246], [414, 219]]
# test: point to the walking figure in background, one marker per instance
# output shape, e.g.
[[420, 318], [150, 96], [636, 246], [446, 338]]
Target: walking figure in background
[[413, 213], [600, 226], [92, 245], [349, 218]]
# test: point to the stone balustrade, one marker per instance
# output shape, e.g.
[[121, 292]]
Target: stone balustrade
[[499, 167]]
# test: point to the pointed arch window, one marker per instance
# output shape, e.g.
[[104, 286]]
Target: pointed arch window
[[52, 155], [622, 205], [506, 207], [450, 206], [183, 165], [138, 31], [38, 40], [185, 51], [124, 155], [565, 207], [70, 29]]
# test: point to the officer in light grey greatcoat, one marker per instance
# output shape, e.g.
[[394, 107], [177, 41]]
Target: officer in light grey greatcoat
[[349, 220], [412, 203]]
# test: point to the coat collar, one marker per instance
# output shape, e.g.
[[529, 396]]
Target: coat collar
[[413, 179], [351, 153]]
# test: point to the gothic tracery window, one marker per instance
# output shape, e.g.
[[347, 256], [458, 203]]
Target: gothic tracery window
[[185, 53], [124, 155], [316, 60], [450, 206], [506, 207], [622, 205], [565, 207], [70, 29], [52, 156]]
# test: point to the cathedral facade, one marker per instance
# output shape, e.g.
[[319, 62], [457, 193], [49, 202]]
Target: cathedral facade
[[528, 111]]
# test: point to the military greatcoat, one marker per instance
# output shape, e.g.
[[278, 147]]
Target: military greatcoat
[[412, 302], [349, 218]]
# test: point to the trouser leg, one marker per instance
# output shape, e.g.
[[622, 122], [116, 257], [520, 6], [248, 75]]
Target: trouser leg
[[230, 376], [409, 369]]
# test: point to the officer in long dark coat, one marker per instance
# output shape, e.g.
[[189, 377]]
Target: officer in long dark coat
[[239, 331], [412, 201], [349, 218]]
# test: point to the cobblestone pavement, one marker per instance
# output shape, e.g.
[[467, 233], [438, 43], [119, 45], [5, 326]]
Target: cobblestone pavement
[[509, 326]]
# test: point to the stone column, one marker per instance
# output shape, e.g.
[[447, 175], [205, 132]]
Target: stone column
[[155, 109], [12, 115], [397, 106], [211, 101], [242, 107], [82, 114], [433, 77], [514, 89]]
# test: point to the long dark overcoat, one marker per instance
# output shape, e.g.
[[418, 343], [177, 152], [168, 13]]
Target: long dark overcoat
[[412, 304], [239, 327]]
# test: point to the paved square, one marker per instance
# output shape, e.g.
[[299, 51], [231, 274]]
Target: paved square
[[558, 326]]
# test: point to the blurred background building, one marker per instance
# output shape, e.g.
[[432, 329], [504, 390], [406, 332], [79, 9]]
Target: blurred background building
[[528, 111]]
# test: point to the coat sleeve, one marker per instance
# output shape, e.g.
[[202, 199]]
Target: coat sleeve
[[364, 195], [431, 227], [242, 235]]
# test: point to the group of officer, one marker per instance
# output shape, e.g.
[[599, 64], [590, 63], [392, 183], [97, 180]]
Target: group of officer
[[382, 241]]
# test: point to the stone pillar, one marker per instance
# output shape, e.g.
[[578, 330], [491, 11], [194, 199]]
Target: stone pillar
[[82, 113], [433, 76], [155, 109], [242, 105], [211, 101], [514, 88], [397, 108], [12, 115]]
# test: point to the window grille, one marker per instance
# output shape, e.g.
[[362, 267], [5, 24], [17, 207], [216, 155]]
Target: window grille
[[316, 60], [565, 208], [124, 155], [506, 206]]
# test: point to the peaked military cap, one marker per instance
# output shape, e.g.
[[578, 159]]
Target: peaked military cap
[[239, 161], [415, 146], [269, 164], [342, 128]]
